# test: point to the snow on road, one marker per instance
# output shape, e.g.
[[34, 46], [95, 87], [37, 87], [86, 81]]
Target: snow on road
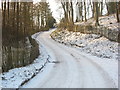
[[73, 68]]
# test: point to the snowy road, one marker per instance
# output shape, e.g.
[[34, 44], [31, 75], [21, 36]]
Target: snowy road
[[73, 70]]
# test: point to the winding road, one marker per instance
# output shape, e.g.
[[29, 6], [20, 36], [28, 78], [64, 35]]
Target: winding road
[[72, 70]]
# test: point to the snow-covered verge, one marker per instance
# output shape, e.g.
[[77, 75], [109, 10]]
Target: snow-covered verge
[[107, 21], [90, 43], [15, 78]]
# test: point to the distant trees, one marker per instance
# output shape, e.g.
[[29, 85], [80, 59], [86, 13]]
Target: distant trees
[[84, 9], [79, 15], [19, 19], [17, 22], [68, 20], [44, 16], [68, 11]]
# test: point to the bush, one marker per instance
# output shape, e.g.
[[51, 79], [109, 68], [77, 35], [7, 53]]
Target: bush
[[70, 26]]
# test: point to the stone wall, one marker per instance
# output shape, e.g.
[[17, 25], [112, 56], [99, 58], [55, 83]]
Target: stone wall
[[103, 31], [25, 54]]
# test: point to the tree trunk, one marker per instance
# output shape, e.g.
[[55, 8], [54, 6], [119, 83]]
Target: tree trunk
[[85, 11], [96, 14], [93, 9], [101, 10], [72, 13], [4, 15], [8, 6], [117, 12]]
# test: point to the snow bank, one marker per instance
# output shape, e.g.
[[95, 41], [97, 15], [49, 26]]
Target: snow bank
[[90, 43], [14, 78], [106, 21], [110, 22]]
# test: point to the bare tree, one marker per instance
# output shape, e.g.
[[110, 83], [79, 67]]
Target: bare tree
[[96, 13], [85, 13], [117, 11]]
